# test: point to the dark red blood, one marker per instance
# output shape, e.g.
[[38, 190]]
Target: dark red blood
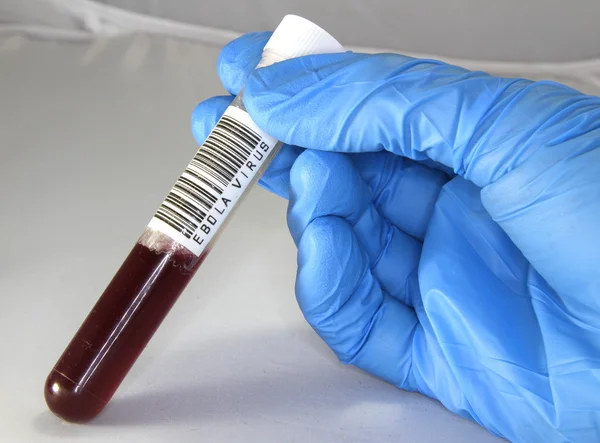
[[116, 332]]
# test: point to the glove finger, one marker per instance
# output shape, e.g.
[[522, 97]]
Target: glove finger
[[206, 115], [536, 143], [346, 306], [326, 184], [276, 178], [239, 58], [470, 121], [404, 191]]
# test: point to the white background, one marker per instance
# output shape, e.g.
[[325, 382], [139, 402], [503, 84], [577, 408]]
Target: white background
[[94, 135], [502, 30], [94, 132]]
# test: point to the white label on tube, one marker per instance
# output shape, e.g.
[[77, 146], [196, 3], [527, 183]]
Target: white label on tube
[[213, 182]]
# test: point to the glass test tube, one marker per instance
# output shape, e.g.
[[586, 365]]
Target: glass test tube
[[173, 245]]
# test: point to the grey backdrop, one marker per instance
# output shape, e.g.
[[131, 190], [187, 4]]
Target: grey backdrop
[[94, 132], [517, 30]]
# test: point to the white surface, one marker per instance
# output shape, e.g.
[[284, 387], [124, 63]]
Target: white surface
[[84, 20], [93, 136], [515, 30]]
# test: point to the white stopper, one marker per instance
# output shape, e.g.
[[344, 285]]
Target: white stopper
[[294, 37]]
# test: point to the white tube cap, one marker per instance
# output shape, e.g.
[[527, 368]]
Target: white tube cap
[[294, 37]]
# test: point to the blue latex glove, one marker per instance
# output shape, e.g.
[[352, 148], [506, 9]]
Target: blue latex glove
[[479, 288]]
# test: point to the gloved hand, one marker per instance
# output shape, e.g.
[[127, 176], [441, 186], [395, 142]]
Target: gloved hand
[[448, 228]]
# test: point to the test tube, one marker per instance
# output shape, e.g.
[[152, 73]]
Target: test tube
[[173, 246]]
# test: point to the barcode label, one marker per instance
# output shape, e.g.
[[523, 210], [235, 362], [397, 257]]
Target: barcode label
[[213, 182]]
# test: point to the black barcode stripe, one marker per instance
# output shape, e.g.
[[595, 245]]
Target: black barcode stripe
[[203, 168], [183, 193], [198, 189], [239, 148], [234, 154], [203, 180], [239, 143], [181, 204], [217, 153], [175, 220], [173, 223], [168, 211], [202, 193], [192, 194], [210, 161], [234, 127]]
